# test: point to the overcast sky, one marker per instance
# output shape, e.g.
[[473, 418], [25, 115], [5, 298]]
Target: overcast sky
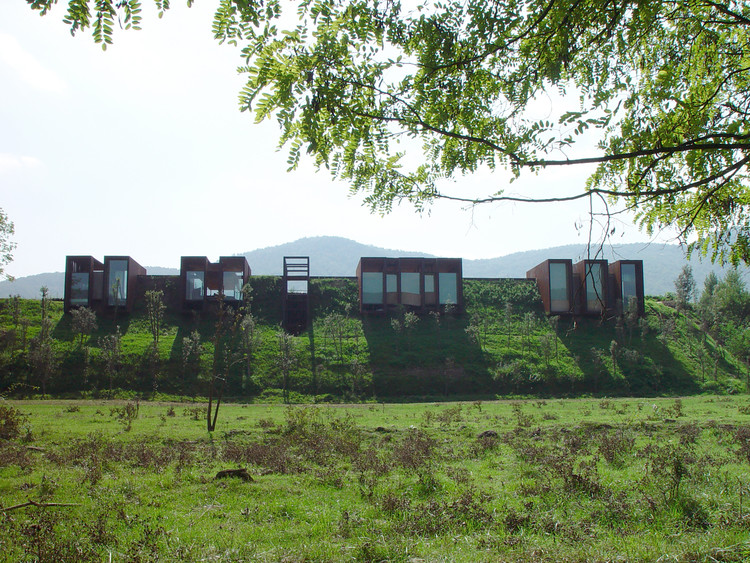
[[141, 150]]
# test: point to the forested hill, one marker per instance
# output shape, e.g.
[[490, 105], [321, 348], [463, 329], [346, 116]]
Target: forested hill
[[337, 256]]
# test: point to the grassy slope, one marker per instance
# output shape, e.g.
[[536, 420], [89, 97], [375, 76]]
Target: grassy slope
[[564, 480], [665, 354]]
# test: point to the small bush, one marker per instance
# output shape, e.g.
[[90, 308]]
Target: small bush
[[11, 422]]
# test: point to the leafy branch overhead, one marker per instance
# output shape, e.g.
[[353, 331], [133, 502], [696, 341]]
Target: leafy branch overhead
[[397, 97]]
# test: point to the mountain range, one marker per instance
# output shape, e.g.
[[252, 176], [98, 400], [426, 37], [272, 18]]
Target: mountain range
[[338, 256]]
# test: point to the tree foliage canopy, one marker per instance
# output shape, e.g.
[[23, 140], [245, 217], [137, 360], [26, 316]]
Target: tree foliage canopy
[[663, 88]]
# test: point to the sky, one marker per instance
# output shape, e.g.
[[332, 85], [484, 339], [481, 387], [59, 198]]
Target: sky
[[141, 150]]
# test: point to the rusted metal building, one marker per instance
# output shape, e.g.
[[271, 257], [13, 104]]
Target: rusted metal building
[[554, 278], [419, 284], [589, 287], [626, 282], [205, 282], [295, 285], [101, 286], [84, 280]]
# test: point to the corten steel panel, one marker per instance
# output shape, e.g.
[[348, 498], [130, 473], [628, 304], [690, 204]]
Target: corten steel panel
[[234, 264], [297, 268], [454, 266], [615, 272], [81, 265], [192, 264], [366, 265], [579, 296], [541, 273], [213, 276], [295, 305], [421, 302], [134, 270]]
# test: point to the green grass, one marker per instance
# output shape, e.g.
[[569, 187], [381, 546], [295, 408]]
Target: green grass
[[483, 353], [563, 480]]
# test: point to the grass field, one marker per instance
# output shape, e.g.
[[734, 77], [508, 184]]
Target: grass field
[[538, 480]]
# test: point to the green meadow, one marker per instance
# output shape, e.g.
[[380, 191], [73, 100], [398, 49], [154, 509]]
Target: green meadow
[[601, 479]]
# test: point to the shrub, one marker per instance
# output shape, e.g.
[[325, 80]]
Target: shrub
[[11, 422]]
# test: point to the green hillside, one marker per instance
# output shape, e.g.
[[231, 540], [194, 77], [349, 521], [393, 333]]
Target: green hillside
[[501, 345]]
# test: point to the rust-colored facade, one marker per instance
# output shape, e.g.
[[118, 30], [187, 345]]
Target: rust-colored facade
[[591, 287], [84, 280], [419, 284], [101, 286], [554, 280], [588, 287], [203, 281], [295, 284], [626, 282]]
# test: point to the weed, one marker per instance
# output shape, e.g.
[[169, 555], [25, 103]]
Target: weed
[[195, 413], [742, 439], [11, 422], [126, 414], [266, 423], [615, 447], [688, 433]]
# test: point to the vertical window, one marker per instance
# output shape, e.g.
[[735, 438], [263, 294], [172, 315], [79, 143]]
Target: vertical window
[[629, 290], [410, 291], [429, 283], [391, 284], [391, 289], [448, 288], [117, 283], [429, 289], [232, 284], [296, 286], [79, 289], [594, 287], [558, 287], [372, 288], [194, 285]]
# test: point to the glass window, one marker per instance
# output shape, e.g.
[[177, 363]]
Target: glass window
[[296, 286], [629, 291], [558, 287], [117, 283], [79, 289], [391, 284], [232, 283], [372, 288], [594, 287], [448, 287], [410, 282], [410, 292], [429, 283], [194, 285]]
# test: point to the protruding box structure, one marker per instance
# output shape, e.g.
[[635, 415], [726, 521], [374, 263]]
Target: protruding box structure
[[296, 299], [420, 284], [120, 280], [84, 282], [204, 281], [554, 279], [627, 284], [591, 287]]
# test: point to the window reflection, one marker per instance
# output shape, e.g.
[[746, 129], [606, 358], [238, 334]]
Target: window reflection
[[117, 282], [372, 288]]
